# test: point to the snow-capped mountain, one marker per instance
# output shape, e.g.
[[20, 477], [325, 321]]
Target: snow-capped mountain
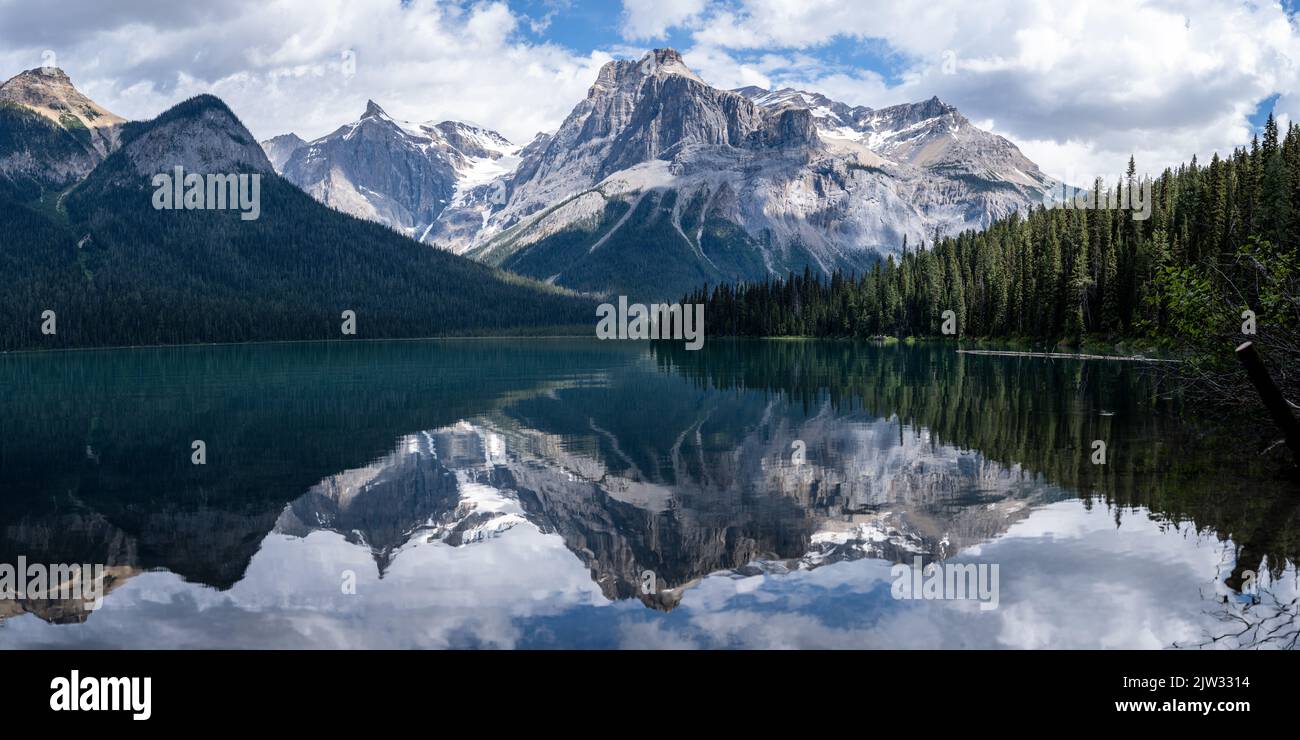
[[395, 172], [929, 135], [658, 182]]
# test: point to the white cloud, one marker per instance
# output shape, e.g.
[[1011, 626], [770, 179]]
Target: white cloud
[[650, 19], [281, 66], [1079, 86]]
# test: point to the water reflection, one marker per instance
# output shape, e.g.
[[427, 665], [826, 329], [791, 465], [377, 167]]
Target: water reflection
[[515, 494]]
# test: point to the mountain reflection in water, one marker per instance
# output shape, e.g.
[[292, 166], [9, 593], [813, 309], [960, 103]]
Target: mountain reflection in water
[[515, 493]]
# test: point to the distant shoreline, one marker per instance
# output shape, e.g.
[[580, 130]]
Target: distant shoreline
[[1006, 348], [259, 342], [1061, 355]]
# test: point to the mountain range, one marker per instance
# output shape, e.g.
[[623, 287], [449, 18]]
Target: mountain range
[[87, 245], [51, 135], [654, 184], [658, 182], [404, 175]]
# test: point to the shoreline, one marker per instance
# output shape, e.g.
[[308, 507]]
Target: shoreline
[[1061, 355], [985, 347], [259, 342]]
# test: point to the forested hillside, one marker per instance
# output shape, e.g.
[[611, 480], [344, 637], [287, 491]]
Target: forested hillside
[[115, 271], [1059, 272], [1220, 239]]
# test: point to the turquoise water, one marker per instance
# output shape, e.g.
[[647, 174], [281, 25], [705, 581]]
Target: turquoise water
[[576, 493]]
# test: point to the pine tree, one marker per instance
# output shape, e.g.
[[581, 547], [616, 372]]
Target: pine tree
[[956, 296], [1076, 296], [1054, 273], [1275, 192]]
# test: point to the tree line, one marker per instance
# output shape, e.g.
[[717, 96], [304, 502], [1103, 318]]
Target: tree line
[[1219, 239]]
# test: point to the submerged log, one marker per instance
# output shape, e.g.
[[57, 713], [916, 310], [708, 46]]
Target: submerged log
[[1277, 406]]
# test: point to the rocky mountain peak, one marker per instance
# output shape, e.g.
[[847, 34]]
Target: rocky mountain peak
[[201, 135], [626, 73], [934, 103], [910, 113], [49, 92], [666, 56], [667, 61], [280, 148], [43, 74], [654, 108], [657, 165], [400, 173], [472, 140]]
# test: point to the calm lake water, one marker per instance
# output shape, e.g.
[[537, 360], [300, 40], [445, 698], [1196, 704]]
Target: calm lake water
[[573, 493]]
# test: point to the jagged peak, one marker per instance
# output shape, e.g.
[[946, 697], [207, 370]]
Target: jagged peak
[[910, 113], [452, 123], [40, 73], [666, 55], [50, 92], [922, 111], [374, 111], [657, 63], [291, 136], [934, 103], [666, 61], [790, 94], [184, 134]]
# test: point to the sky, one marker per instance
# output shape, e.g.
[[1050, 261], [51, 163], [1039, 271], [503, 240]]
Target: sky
[[1077, 86]]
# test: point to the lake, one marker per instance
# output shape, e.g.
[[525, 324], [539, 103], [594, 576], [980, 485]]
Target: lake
[[569, 493]]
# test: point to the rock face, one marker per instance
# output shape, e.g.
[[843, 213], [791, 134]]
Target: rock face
[[51, 135], [637, 112], [280, 148], [201, 135], [657, 182], [959, 176], [49, 92], [398, 173]]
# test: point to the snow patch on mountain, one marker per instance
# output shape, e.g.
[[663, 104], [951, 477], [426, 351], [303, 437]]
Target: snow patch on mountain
[[786, 177], [401, 173]]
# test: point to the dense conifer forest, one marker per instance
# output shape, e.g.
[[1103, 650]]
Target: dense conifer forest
[[115, 271], [1220, 240]]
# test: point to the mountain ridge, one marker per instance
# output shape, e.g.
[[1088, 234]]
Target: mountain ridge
[[398, 173], [51, 135], [117, 270], [657, 182]]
